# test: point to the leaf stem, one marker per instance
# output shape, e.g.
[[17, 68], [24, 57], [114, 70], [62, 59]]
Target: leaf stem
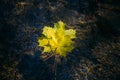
[[55, 65], [49, 57]]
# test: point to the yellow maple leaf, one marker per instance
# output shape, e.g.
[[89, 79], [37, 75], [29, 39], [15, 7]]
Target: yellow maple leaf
[[57, 39]]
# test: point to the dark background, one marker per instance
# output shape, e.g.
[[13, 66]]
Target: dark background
[[97, 48]]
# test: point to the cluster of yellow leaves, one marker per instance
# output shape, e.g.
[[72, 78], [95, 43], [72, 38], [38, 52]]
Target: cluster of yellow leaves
[[57, 39]]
